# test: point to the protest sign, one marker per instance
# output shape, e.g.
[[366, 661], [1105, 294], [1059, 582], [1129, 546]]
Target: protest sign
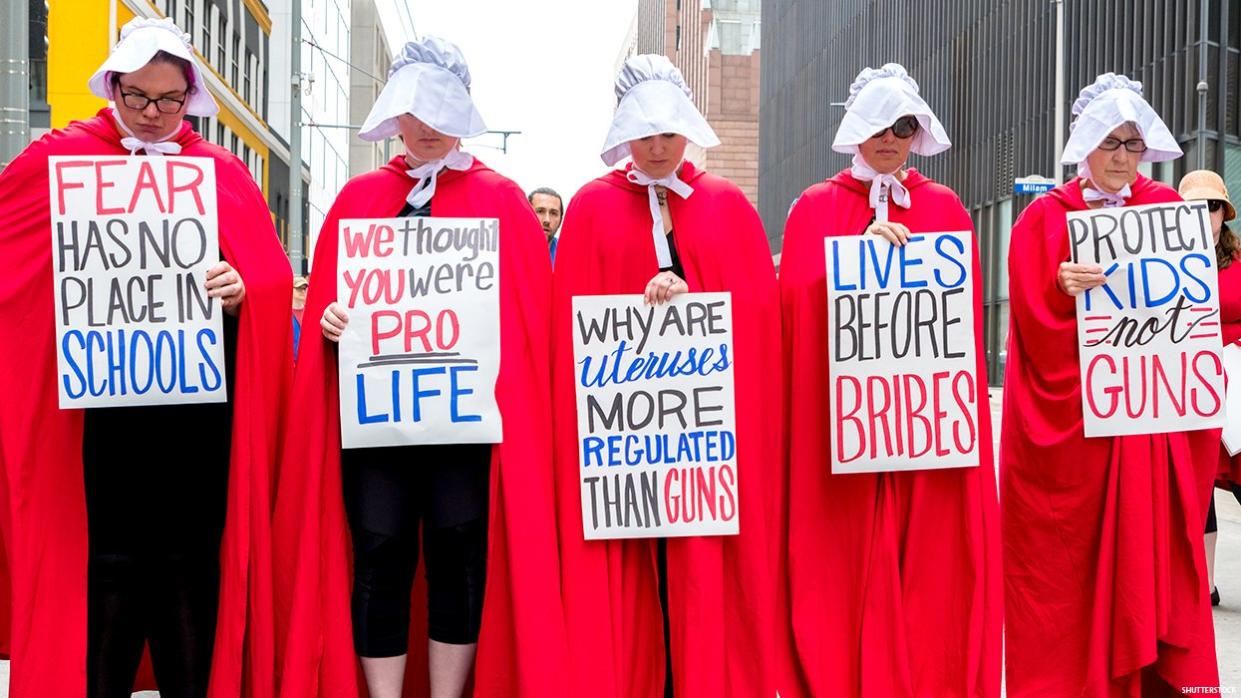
[[420, 357], [1231, 436], [655, 416], [132, 240], [1149, 338], [902, 362]]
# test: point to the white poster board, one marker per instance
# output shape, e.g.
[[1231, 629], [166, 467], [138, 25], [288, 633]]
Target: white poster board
[[132, 240], [902, 361], [1232, 409], [655, 416], [1149, 338], [421, 354]]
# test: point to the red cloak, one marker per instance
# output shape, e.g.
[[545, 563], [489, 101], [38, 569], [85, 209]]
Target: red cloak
[[522, 596], [894, 577], [42, 503], [1230, 325], [1104, 569], [721, 590]]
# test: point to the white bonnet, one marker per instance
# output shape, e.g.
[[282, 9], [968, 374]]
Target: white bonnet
[[877, 98]]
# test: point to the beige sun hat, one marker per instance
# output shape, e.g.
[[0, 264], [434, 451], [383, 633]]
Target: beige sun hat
[[1205, 184]]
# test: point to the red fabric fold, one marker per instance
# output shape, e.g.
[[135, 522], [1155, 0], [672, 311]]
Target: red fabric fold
[[722, 590], [1230, 325], [1105, 583], [522, 648], [42, 505], [894, 578]]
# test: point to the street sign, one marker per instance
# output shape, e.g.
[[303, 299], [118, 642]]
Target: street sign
[[1034, 184]]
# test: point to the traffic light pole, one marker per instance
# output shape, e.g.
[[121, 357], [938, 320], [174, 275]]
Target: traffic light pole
[[14, 80]]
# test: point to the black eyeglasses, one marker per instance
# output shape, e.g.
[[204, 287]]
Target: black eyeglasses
[[165, 105], [1133, 145], [904, 127], [1214, 205]]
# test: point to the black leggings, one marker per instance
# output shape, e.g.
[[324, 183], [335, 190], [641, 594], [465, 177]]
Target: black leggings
[[389, 494], [1212, 523], [155, 516], [156, 499]]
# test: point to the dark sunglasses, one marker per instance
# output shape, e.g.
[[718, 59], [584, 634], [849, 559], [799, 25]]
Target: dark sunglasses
[[1133, 145], [1214, 205], [904, 127]]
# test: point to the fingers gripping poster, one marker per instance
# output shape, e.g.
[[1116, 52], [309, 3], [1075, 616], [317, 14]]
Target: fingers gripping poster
[[1149, 338], [132, 240], [655, 416], [421, 353], [902, 362]]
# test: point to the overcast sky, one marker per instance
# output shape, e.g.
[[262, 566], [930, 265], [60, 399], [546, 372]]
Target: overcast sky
[[542, 67]]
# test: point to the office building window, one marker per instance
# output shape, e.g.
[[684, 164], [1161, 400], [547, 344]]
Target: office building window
[[246, 85], [208, 22], [221, 39], [236, 53], [188, 27]]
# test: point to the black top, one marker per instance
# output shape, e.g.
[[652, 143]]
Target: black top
[[675, 267], [408, 210]]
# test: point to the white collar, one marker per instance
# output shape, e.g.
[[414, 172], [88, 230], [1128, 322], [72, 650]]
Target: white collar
[[673, 183], [428, 172], [882, 185]]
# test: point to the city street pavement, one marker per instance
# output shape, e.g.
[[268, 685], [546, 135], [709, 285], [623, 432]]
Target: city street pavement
[[1227, 576]]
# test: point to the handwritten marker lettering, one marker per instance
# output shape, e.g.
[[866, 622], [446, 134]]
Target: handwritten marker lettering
[[903, 388], [1148, 338], [420, 357], [655, 414], [132, 240]]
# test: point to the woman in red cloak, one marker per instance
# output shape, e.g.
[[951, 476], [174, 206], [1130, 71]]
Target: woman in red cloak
[[1104, 573], [488, 536], [663, 226], [895, 576], [118, 533], [1208, 186]]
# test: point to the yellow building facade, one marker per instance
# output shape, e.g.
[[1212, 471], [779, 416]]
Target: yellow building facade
[[231, 41]]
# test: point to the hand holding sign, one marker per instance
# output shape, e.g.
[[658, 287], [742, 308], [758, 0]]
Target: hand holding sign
[[895, 233], [663, 287], [225, 283], [1078, 278], [334, 321]]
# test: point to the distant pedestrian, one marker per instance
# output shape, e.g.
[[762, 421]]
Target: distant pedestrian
[[300, 284], [549, 207]]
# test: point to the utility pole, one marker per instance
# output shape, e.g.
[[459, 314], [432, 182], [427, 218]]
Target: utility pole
[[14, 80], [1058, 137], [297, 234], [1203, 57]]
